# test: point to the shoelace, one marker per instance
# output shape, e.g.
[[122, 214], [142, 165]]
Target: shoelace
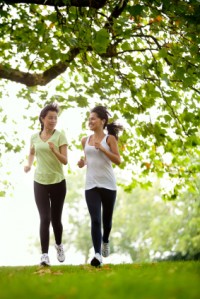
[[60, 249], [45, 259], [105, 247]]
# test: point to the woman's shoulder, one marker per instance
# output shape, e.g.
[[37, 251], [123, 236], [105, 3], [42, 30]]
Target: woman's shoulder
[[60, 136], [59, 132], [110, 138], [35, 135], [84, 139]]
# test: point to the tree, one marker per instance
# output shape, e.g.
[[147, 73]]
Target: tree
[[148, 228], [140, 58]]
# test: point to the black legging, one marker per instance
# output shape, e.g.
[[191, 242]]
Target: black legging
[[95, 198], [50, 201]]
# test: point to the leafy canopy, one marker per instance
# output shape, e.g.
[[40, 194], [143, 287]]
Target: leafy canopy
[[140, 58]]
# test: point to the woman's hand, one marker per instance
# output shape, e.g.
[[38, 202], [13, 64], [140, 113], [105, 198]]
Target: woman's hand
[[98, 145], [27, 168], [61, 154], [51, 146], [31, 156], [81, 163]]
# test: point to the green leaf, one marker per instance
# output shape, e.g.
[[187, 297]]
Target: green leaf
[[101, 41], [126, 46], [2, 193], [135, 10]]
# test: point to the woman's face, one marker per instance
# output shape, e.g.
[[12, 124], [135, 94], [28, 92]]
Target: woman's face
[[50, 120], [95, 122]]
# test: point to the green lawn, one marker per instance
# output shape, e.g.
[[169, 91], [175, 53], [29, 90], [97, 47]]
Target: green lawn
[[171, 280]]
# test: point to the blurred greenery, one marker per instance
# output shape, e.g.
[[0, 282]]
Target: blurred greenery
[[145, 227]]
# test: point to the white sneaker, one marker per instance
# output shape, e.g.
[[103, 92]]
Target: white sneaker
[[60, 253], [105, 250], [45, 260], [97, 260]]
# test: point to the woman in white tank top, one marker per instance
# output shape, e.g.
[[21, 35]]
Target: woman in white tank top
[[101, 150]]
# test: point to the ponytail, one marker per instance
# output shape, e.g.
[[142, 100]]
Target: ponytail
[[113, 129]]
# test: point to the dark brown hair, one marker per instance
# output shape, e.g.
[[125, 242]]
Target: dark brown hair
[[112, 128], [45, 110]]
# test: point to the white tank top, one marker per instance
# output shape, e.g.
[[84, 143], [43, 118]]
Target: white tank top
[[99, 167]]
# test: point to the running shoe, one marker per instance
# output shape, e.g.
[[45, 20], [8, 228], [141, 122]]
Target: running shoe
[[45, 260], [60, 253], [96, 261], [105, 250]]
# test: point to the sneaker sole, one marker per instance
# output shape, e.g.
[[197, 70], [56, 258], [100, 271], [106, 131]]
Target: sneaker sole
[[95, 263], [61, 261], [44, 264], [105, 253]]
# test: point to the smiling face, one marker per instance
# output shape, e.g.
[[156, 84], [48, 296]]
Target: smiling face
[[95, 123], [50, 120]]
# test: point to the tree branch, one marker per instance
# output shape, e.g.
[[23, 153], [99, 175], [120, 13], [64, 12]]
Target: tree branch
[[38, 79], [116, 13], [78, 3], [136, 50], [195, 89]]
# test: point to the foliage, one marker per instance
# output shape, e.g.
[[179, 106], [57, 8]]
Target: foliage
[[140, 58], [148, 228], [142, 281]]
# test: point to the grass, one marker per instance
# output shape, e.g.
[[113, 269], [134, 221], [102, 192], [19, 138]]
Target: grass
[[164, 280]]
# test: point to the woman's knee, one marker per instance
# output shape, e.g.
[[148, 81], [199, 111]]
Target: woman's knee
[[96, 222], [45, 221]]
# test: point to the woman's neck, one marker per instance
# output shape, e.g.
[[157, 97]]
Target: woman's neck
[[47, 131], [99, 134]]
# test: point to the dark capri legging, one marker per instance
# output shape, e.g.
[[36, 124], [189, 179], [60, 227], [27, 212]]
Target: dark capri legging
[[96, 199], [50, 200]]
